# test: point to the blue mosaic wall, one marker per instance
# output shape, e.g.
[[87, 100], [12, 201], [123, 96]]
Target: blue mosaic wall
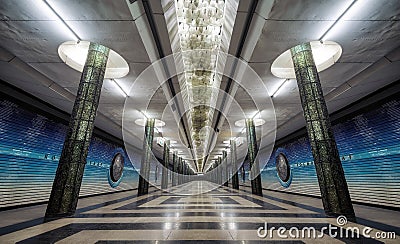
[[369, 146], [30, 147]]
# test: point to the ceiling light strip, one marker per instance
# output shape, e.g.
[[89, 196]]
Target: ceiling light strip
[[119, 87], [280, 86], [337, 20], [62, 20]]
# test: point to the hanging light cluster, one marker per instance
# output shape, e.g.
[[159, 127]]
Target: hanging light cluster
[[199, 30]]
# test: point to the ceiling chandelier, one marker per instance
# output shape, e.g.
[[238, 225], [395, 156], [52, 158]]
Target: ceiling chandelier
[[199, 31]]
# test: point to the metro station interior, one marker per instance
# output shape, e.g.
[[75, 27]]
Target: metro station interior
[[199, 121]]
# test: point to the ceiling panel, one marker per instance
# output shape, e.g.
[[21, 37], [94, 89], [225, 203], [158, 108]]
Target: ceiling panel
[[92, 9], [306, 10], [278, 36], [121, 36]]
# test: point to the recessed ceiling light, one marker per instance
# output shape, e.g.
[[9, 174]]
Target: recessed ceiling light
[[257, 122], [325, 55], [142, 122], [74, 55], [48, 8]]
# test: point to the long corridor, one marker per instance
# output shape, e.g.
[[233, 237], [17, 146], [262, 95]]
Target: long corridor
[[181, 216]]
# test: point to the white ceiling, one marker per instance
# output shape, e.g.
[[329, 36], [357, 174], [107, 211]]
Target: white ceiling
[[370, 36]]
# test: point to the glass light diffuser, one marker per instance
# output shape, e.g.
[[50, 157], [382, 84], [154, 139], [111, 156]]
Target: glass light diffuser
[[325, 55], [74, 55]]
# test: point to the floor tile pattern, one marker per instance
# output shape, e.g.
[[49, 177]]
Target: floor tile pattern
[[221, 215]]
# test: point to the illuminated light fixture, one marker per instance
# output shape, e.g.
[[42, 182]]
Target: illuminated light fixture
[[333, 28], [239, 140], [160, 141], [279, 87], [204, 26], [119, 88], [242, 122], [142, 122], [144, 114], [74, 55], [257, 113], [325, 55], [53, 13]]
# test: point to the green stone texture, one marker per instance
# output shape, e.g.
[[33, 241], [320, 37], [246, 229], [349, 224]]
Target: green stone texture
[[332, 182], [225, 167], [219, 170], [235, 175], [180, 170], [143, 187], [175, 169], [164, 176], [67, 183], [256, 187]]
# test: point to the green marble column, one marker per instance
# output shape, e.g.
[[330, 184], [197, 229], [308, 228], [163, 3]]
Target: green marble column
[[256, 187], [164, 176], [186, 173], [179, 170], [220, 181], [225, 178], [175, 169], [143, 187], [235, 175], [182, 170], [66, 186], [215, 171], [332, 182]]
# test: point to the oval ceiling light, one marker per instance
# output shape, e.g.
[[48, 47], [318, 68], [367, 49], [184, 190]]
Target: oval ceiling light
[[325, 55], [142, 122], [74, 55], [257, 122]]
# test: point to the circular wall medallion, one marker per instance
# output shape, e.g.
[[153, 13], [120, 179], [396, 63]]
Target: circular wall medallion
[[117, 167], [283, 170]]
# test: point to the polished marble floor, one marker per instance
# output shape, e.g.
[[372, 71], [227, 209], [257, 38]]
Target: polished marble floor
[[221, 215]]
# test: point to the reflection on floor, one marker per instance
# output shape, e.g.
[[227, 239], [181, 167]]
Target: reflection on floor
[[222, 215]]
